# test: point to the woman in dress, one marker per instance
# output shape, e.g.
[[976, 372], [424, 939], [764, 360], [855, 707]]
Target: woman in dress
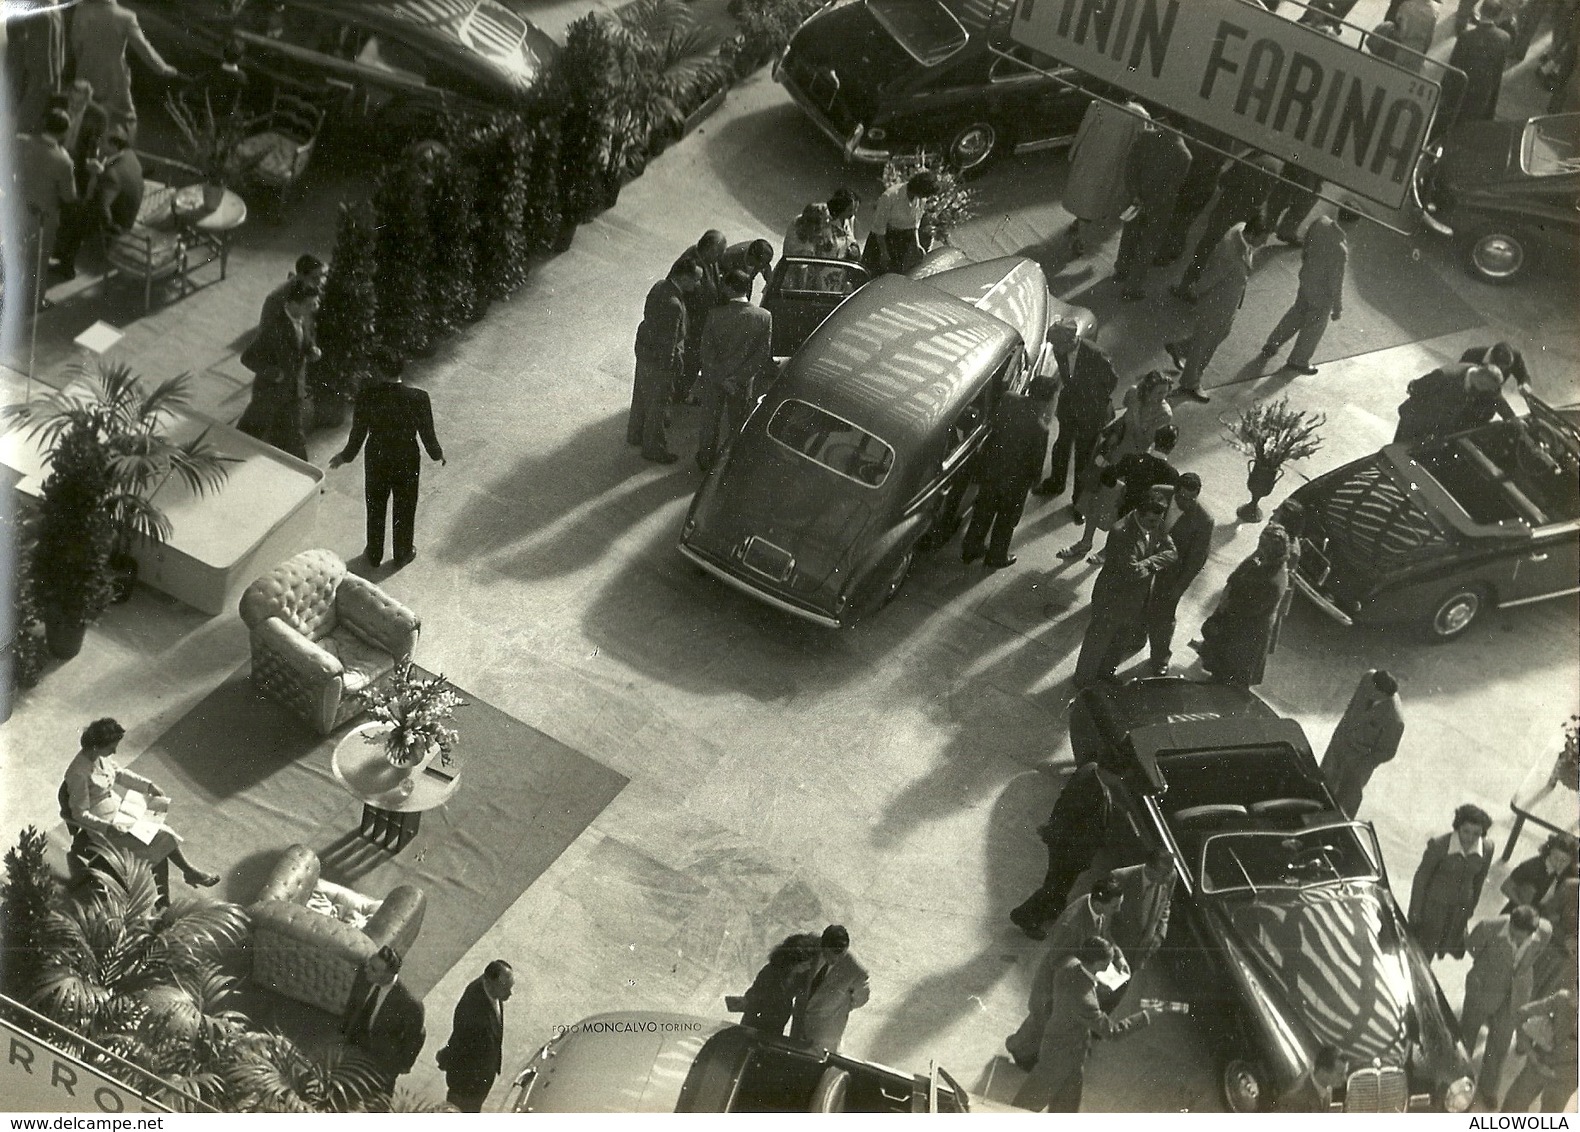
[[1233, 643], [1096, 189], [1146, 409], [1292, 517], [893, 242], [812, 233], [1448, 883], [94, 804], [769, 1002]]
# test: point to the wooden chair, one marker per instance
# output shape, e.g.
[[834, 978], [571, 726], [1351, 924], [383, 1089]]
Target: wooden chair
[[278, 147], [154, 249]]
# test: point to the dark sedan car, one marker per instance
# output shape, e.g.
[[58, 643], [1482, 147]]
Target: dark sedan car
[[1509, 192], [1285, 932], [384, 58], [858, 455], [886, 77], [1440, 531]]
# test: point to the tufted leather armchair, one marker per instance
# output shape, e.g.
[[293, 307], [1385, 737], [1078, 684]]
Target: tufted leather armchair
[[320, 635], [313, 957]]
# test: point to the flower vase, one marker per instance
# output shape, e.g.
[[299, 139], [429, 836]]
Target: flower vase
[[367, 768], [1260, 480]]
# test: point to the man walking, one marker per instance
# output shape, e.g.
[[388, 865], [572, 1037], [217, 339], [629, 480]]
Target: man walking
[[1242, 195], [1291, 202], [1219, 294], [1190, 530], [1156, 168], [660, 359], [1006, 471], [1367, 736], [1086, 392], [736, 352], [1074, 1018], [836, 985], [1319, 298], [384, 1020], [391, 417], [1137, 550], [101, 31], [1482, 52], [1503, 951], [471, 1058], [279, 355]]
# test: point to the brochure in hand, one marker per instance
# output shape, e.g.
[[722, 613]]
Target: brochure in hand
[[143, 816]]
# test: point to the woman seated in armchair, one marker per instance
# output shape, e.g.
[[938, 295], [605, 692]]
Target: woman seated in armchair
[[97, 806]]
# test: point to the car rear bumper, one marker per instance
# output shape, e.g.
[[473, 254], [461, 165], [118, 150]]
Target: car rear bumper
[[1322, 601], [707, 563], [849, 144]]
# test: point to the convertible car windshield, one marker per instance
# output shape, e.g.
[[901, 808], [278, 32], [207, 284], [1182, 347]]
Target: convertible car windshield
[[1552, 146], [1524, 471], [1256, 860], [835, 443]]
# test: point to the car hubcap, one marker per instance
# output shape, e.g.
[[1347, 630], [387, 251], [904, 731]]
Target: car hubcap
[[1499, 256], [1457, 613], [1241, 1087], [898, 578], [973, 145]]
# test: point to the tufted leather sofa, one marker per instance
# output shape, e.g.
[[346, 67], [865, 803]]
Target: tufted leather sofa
[[320, 635], [312, 957]]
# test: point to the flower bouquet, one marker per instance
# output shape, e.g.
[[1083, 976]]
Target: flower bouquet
[[416, 710]]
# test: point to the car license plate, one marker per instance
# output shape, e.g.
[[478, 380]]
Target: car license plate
[[767, 559]]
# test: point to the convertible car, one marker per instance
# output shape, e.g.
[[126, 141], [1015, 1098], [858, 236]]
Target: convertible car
[[1284, 931], [857, 457], [641, 1061], [1440, 531]]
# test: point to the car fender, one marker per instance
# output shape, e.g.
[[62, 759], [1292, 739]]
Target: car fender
[[1410, 596], [1280, 1042], [884, 552]]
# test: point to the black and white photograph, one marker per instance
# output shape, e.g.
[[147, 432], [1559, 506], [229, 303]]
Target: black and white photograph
[[789, 556]]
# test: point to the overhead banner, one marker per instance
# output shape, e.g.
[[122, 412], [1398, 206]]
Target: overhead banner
[[37, 1077], [1290, 90]]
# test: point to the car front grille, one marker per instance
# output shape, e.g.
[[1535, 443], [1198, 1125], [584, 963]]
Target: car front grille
[[1377, 1089]]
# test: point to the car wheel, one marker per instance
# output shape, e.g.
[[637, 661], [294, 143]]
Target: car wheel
[[1458, 610], [973, 147], [1498, 255], [1244, 1087], [896, 579]]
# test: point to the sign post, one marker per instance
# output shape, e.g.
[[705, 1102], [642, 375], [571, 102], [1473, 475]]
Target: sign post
[[1355, 120]]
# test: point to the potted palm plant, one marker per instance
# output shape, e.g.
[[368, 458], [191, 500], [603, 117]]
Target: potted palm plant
[[73, 537], [1271, 434], [107, 434]]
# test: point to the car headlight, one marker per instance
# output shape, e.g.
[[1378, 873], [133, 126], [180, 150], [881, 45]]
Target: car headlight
[[1458, 1095], [691, 525]]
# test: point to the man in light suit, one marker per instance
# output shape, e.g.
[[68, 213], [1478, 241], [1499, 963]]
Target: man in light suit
[[1319, 297], [384, 1020], [1138, 551], [1142, 921], [1085, 917], [36, 56], [391, 417], [1190, 528], [835, 986], [1503, 951], [101, 31], [1074, 1018], [471, 1058], [1367, 736], [736, 354]]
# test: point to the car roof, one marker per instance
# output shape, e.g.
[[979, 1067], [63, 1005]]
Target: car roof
[[1011, 288], [435, 20], [897, 358]]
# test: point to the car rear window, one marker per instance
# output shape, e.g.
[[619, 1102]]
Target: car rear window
[[1552, 146], [928, 32], [831, 441]]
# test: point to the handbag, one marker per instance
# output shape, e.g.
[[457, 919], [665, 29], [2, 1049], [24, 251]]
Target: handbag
[[1109, 440], [254, 356]]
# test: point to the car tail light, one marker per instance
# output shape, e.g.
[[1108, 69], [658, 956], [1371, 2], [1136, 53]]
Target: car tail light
[[1458, 1096]]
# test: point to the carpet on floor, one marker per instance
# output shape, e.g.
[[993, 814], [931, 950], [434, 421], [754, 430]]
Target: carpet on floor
[[248, 779]]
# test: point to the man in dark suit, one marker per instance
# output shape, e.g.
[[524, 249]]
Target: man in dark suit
[[755, 257], [1138, 550], [279, 355], [391, 417], [736, 353], [36, 57], [1482, 52], [1006, 470], [383, 1019], [1243, 190], [84, 141], [1191, 532], [471, 1058], [1154, 174], [708, 254], [660, 359], [1086, 392]]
